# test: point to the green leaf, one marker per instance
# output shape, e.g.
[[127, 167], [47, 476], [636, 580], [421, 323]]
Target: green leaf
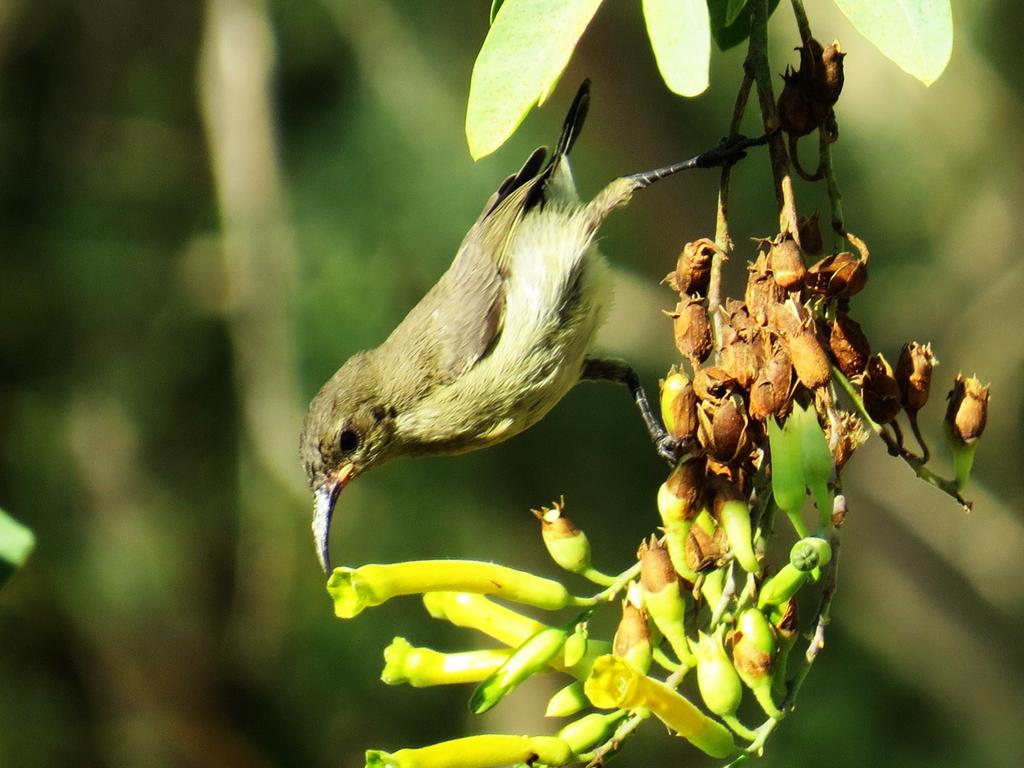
[[524, 54], [916, 34], [729, 33], [680, 35], [732, 10], [495, 7], [16, 542]]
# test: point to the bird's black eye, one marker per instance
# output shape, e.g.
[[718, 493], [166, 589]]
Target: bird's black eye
[[348, 440]]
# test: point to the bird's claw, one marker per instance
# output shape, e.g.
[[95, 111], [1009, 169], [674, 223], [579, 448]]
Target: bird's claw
[[728, 151], [670, 449]]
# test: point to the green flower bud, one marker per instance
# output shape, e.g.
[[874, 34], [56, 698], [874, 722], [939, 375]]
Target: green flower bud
[[678, 406], [712, 586], [421, 667], [966, 417], [567, 544], [734, 516], [753, 655], [632, 640], [354, 589], [576, 645], [717, 680], [503, 624], [567, 701], [531, 657], [613, 683], [476, 752], [590, 731], [810, 553], [680, 495], [663, 598], [782, 586]]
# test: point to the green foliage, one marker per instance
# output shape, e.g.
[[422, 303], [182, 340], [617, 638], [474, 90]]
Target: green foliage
[[916, 34], [730, 21], [16, 543], [681, 40], [523, 56], [531, 41]]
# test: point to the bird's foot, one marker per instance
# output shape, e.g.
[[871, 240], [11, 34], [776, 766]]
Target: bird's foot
[[728, 151], [670, 449]]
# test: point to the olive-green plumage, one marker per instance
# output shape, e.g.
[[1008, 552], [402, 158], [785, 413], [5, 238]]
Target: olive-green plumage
[[492, 347]]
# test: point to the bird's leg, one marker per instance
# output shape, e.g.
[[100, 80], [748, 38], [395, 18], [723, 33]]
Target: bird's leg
[[619, 371], [729, 150]]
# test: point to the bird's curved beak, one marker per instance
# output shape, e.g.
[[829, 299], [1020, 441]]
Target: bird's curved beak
[[324, 498]]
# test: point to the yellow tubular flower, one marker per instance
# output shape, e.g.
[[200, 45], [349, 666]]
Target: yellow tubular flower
[[476, 752], [421, 667], [354, 589], [613, 683]]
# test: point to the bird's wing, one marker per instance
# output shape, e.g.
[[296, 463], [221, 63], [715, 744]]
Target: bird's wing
[[460, 318], [474, 283]]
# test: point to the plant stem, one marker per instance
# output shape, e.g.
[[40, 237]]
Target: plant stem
[[756, 63], [723, 240], [948, 487]]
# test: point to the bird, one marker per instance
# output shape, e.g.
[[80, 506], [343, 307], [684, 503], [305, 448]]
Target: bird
[[501, 337]]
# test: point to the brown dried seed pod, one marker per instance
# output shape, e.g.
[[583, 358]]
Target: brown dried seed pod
[[742, 360], [796, 113], [705, 550], [693, 268], [712, 384], [786, 262], [632, 631], [967, 411], [762, 292], [850, 436], [656, 569], [723, 429], [829, 77], [849, 346], [838, 276], [739, 323], [800, 335], [880, 392], [914, 375], [692, 330], [771, 393], [810, 234]]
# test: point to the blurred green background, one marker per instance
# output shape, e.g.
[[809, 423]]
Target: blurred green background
[[207, 207]]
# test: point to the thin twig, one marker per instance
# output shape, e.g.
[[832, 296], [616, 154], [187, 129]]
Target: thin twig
[[723, 240], [757, 64], [948, 487]]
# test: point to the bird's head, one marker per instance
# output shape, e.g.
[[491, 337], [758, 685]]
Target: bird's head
[[349, 428]]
